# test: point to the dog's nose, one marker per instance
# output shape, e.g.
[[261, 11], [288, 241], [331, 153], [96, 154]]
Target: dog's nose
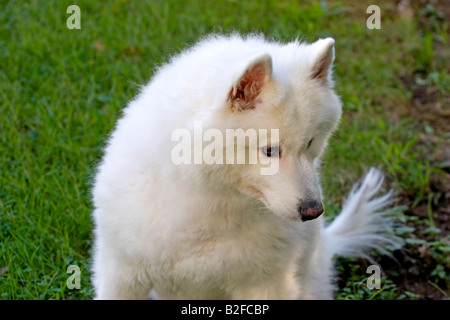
[[310, 210]]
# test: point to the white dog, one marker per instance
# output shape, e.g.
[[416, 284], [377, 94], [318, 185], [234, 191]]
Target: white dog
[[221, 230]]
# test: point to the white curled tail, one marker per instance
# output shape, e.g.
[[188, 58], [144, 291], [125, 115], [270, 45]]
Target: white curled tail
[[362, 223]]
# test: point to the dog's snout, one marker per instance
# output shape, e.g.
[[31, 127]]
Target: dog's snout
[[310, 210]]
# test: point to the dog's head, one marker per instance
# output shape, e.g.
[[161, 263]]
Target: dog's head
[[286, 95]]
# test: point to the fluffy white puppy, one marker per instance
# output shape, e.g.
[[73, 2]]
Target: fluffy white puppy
[[170, 220]]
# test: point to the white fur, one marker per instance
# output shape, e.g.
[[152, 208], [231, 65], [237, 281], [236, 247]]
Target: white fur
[[225, 231]]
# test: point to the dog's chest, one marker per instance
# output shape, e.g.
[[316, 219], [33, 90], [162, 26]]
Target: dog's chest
[[213, 254]]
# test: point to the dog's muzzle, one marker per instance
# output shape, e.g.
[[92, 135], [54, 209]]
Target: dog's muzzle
[[310, 210]]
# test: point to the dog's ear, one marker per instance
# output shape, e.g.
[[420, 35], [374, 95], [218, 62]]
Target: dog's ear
[[324, 57], [243, 95]]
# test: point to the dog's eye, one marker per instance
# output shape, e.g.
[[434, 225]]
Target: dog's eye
[[309, 143], [271, 151]]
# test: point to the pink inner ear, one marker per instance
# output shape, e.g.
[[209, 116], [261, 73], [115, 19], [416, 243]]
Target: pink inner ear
[[320, 70], [248, 88]]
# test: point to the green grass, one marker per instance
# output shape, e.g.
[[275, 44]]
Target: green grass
[[62, 90]]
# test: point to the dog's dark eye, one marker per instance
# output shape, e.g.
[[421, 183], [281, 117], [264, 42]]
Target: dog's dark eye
[[309, 143], [271, 151]]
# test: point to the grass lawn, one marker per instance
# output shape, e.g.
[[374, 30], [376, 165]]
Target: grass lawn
[[62, 90]]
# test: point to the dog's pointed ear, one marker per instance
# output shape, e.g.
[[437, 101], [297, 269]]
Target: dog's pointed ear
[[324, 57], [244, 93]]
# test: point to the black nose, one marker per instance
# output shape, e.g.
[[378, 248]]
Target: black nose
[[309, 210]]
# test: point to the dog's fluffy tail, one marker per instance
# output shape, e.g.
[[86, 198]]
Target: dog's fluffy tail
[[363, 223]]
